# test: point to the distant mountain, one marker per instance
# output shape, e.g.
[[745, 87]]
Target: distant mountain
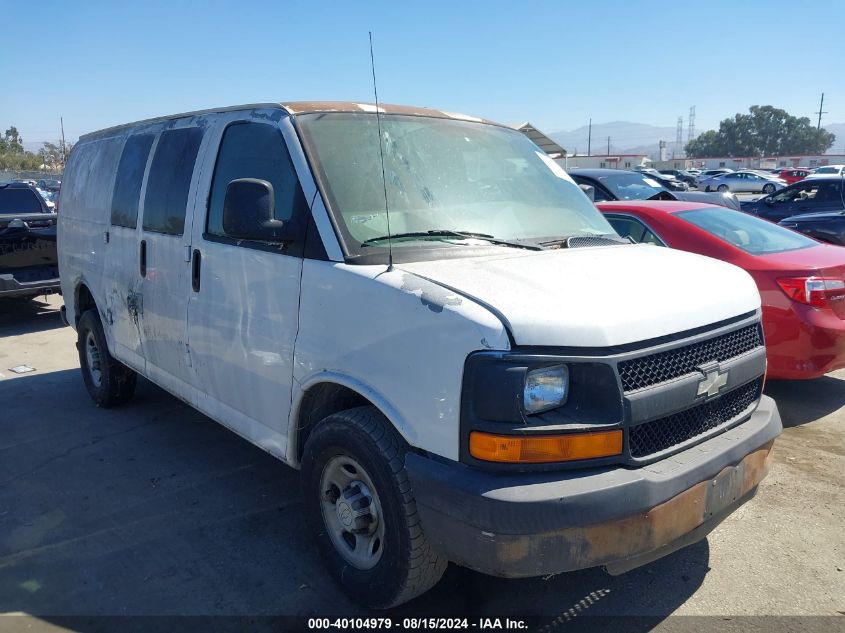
[[839, 143], [627, 137]]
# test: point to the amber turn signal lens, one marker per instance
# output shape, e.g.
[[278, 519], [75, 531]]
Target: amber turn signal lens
[[540, 449]]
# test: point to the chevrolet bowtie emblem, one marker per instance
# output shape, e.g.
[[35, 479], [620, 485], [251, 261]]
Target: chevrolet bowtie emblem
[[712, 382]]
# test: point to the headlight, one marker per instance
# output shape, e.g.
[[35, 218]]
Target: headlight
[[545, 388]]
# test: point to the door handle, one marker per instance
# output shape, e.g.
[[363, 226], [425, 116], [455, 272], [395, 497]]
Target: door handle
[[142, 263], [196, 265]]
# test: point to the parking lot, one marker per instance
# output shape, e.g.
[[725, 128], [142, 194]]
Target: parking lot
[[154, 509]]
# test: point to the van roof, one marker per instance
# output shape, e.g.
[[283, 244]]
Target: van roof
[[300, 107]]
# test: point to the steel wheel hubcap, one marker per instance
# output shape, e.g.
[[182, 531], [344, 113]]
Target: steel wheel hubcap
[[92, 356], [352, 512]]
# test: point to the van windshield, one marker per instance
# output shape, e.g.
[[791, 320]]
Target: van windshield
[[444, 179]]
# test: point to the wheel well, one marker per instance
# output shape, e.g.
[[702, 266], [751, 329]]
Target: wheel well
[[84, 301], [320, 401]]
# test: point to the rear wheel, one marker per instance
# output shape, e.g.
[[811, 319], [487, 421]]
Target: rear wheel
[[109, 382], [361, 509], [769, 189], [723, 188]]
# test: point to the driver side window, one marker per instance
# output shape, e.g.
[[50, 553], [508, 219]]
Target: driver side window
[[255, 150]]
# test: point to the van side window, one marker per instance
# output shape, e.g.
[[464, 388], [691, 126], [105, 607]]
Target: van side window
[[130, 174], [255, 150], [170, 180]]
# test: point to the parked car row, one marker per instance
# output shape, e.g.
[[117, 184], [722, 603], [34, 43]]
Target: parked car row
[[814, 206], [619, 184], [745, 180]]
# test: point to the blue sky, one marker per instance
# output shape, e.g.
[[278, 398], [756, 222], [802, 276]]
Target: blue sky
[[554, 63]]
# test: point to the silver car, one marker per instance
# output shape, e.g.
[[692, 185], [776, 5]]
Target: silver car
[[742, 182]]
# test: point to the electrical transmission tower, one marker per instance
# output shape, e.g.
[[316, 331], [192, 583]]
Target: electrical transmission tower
[[679, 137], [691, 124]]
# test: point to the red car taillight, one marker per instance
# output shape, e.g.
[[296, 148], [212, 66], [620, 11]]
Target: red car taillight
[[815, 291]]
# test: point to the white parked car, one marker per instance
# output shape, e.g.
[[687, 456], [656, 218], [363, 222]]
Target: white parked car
[[827, 171], [446, 351]]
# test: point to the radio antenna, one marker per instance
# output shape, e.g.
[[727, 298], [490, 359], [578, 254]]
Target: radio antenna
[[381, 153]]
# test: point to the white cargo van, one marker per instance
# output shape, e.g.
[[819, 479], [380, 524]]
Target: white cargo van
[[422, 312]]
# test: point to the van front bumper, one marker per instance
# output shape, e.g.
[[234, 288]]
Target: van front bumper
[[533, 524]]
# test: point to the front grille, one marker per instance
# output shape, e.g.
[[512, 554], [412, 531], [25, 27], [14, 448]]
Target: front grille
[[663, 433], [662, 366]]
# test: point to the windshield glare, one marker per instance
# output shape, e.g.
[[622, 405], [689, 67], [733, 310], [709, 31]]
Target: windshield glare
[[746, 232], [441, 175], [632, 186]]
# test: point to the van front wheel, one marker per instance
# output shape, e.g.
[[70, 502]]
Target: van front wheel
[[108, 381], [361, 509]]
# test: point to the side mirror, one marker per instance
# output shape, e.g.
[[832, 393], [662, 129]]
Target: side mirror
[[248, 211], [768, 200], [589, 191]]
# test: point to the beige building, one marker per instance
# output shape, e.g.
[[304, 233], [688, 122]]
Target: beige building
[[753, 162], [605, 161]]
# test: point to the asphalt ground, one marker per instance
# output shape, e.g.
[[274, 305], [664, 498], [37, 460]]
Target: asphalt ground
[[153, 509]]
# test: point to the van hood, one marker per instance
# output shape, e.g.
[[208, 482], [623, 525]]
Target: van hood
[[597, 296]]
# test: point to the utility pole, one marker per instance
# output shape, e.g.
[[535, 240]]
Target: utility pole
[[64, 151], [589, 137], [608, 146], [820, 113]]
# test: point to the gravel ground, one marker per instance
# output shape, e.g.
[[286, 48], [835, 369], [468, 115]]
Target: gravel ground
[[155, 509]]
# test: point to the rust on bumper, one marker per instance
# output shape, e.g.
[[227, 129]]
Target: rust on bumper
[[626, 543]]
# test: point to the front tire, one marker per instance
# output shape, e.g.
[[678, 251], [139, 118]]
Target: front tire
[[360, 506], [109, 382]]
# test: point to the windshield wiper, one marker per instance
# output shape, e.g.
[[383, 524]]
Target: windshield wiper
[[450, 233]]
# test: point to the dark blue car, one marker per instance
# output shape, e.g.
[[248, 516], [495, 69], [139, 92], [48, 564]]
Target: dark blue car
[[812, 195]]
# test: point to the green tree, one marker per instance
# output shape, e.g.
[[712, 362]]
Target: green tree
[[764, 131], [11, 142], [53, 155]]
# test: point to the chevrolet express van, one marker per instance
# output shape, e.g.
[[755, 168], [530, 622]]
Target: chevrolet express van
[[425, 315]]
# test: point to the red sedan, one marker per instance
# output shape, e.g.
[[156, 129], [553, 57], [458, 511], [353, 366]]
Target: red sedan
[[793, 175], [801, 281]]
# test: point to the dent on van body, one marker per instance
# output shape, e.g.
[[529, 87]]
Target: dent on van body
[[401, 339]]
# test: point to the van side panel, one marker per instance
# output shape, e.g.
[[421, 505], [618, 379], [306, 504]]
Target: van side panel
[[84, 218], [378, 330]]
